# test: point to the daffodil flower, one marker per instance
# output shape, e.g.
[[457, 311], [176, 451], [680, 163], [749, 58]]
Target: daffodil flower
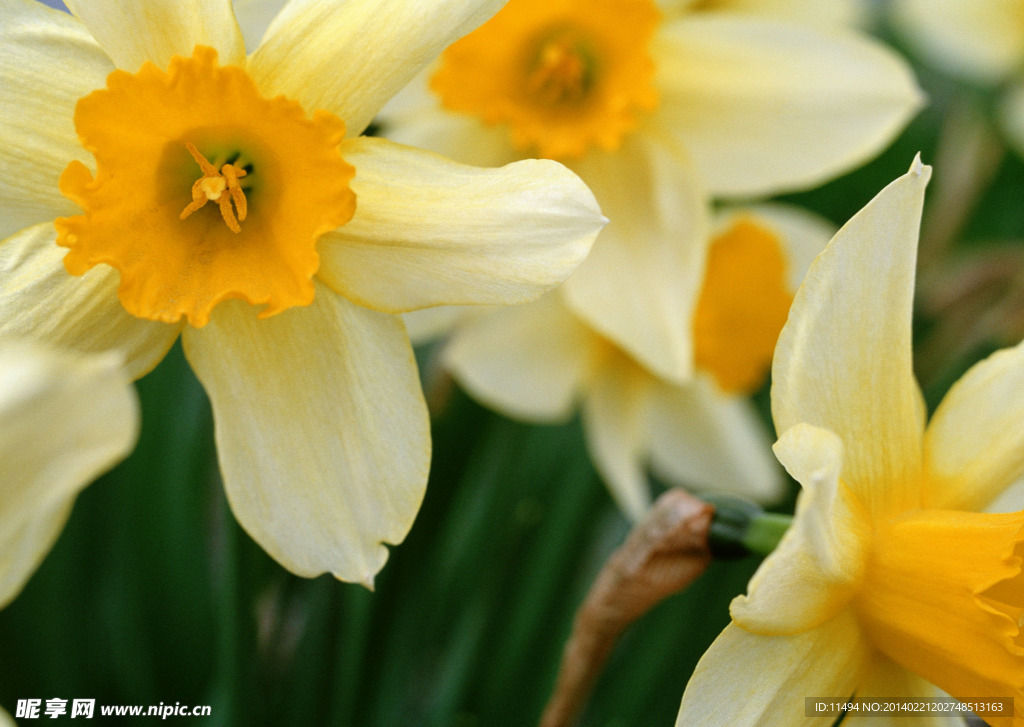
[[981, 41], [889, 581], [229, 199], [65, 418], [656, 112], [537, 362]]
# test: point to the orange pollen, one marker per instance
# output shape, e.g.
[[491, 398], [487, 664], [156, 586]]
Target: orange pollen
[[211, 187], [560, 75]]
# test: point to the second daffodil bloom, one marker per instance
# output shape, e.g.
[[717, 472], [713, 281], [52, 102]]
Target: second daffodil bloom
[[230, 199], [538, 361], [657, 112], [980, 41], [889, 580]]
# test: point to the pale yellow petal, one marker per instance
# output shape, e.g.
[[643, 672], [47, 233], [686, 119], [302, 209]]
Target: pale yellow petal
[[41, 301], [416, 118], [816, 568], [25, 541], [766, 107], [321, 429], [746, 680], [982, 40], [1009, 500], [351, 57], [1011, 116], [525, 361], [888, 682], [803, 234], [428, 231], [708, 441], [254, 17], [65, 418], [639, 286], [47, 62], [5, 719], [843, 360], [613, 421], [808, 12], [156, 30], [974, 444], [428, 324]]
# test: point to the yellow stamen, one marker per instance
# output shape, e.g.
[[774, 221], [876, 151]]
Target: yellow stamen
[[560, 74], [211, 187]]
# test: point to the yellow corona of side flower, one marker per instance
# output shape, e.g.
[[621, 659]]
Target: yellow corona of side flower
[[539, 361], [889, 580], [657, 111], [229, 199], [65, 418]]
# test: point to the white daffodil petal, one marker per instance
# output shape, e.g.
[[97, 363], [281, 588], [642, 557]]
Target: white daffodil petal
[[846, 347], [748, 680], [37, 106], [613, 422], [639, 286], [65, 418], [156, 30], [428, 231], [526, 361], [351, 57], [321, 429], [981, 40], [887, 681], [974, 444], [708, 441], [813, 573], [41, 301], [803, 234], [766, 107]]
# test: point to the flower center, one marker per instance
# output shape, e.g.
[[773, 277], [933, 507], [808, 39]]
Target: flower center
[[562, 70], [276, 176], [943, 596], [742, 307], [211, 187], [563, 75]]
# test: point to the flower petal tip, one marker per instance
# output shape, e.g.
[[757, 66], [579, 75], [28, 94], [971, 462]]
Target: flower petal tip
[[919, 169]]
